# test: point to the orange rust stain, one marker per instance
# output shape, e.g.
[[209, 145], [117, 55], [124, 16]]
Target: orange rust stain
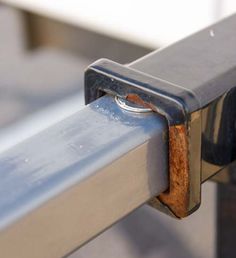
[[177, 196], [137, 100]]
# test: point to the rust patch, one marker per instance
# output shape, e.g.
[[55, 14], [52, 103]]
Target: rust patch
[[137, 100], [177, 196]]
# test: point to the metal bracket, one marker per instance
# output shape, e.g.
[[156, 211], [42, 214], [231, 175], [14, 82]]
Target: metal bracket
[[191, 84]]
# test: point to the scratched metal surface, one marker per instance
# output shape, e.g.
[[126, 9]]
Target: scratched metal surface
[[63, 186], [42, 166]]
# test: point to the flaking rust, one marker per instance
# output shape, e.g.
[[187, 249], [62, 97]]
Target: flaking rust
[[176, 198], [137, 100]]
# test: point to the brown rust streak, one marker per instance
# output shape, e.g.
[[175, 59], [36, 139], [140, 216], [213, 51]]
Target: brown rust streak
[[177, 197], [137, 100]]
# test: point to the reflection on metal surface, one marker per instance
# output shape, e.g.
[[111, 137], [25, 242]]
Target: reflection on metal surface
[[66, 184], [219, 134], [130, 106]]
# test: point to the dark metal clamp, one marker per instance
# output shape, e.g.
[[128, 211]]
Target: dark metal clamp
[[192, 84]]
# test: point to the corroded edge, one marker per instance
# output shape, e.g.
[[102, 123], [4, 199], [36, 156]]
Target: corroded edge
[[177, 196]]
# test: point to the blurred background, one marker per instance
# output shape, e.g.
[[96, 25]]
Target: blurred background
[[45, 47]]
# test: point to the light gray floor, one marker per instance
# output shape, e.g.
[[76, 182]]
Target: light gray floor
[[33, 81]]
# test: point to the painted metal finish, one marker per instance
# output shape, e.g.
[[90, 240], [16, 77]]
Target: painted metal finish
[[66, 184], [203, 63]]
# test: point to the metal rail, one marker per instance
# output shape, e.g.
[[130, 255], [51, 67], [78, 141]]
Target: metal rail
[[63, 186]]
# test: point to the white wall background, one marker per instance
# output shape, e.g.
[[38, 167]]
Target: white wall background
[[152, 22]]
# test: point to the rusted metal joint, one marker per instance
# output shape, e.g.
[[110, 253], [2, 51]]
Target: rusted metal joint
[[190, 132], [192, 84], [140, 89]]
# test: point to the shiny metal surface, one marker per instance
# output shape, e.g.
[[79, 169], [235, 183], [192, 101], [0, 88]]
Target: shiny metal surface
[[218, 135], [66, 184], [132, 107]]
